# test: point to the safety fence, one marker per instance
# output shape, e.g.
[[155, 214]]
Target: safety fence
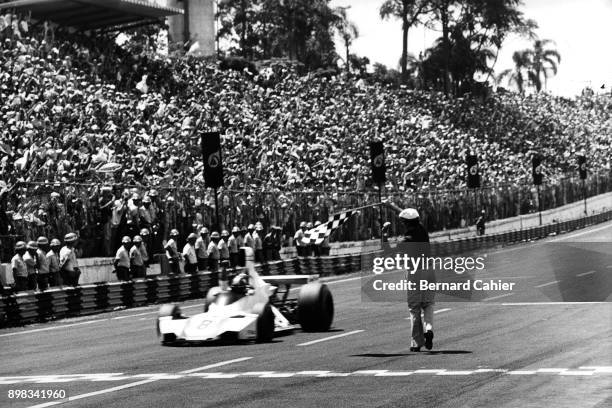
[[32, 210], [27, 307]]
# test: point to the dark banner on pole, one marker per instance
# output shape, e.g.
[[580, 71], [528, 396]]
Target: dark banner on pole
[[213, 163], [377, 160], [582, 167], [473, 173], [536, 172]]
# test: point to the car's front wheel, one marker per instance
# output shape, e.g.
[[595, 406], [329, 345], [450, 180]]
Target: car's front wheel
[[264, 326]]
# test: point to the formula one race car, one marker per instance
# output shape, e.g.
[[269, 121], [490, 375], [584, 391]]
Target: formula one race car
[[250, 307]]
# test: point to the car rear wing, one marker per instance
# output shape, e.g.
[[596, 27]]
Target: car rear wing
[[286, 280]]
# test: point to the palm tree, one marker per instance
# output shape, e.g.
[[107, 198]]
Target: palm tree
[[409, 12], [544, 61], [348, 31], [516, 76]]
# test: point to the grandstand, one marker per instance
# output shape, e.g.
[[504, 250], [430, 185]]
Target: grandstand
[[81, 109]]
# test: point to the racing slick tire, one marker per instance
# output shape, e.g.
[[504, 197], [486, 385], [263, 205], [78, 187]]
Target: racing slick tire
[[165, 311], [264, 326], [315, 309]]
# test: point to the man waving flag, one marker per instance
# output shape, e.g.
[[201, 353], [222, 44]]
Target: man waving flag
[[315, 236]]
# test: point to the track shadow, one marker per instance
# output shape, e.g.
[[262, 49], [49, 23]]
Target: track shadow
[[447, 352], [218, 343], [382, 355]]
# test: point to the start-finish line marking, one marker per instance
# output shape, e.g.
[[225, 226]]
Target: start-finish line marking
[[151, 377]]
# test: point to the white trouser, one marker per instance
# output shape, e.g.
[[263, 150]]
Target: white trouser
[[419, 325]]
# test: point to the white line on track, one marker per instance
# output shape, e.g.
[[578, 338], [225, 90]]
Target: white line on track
[[585, 273], [134, 384], [546, 284], [337, 336], [49, 328], [132, 315], [577, 234], [552, 303], [222, 363], [92, 394], [497, 297], [343, 280]]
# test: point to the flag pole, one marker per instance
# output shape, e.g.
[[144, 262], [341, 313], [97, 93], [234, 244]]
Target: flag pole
[[380, 216], [358, 208], [217, 210]]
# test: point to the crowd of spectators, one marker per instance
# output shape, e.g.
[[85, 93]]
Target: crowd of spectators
[[78, 108]]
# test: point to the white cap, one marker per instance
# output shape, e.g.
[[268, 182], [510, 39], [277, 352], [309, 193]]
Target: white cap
[[409, 214]]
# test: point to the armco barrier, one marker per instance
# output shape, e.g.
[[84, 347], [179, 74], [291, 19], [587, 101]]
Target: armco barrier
[[58, 303]]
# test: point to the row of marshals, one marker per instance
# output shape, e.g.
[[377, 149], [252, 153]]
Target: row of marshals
[[254, 240], [36, 264], [40, 263], [131, 260], [420, 302], [228, 247]]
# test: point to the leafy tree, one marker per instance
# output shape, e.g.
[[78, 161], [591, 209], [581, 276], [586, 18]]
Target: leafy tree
[[543, 62], [359, 64], [517, 75], [264, 29], [473, 31], [348, 32], [409, 12]]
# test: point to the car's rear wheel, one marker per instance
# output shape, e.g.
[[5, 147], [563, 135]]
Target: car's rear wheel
[[315, 310], [264, 326]]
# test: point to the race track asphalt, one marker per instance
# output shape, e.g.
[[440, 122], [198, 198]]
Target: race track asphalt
[[538, 348]]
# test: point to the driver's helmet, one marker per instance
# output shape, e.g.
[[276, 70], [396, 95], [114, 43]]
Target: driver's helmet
[[240, 283]]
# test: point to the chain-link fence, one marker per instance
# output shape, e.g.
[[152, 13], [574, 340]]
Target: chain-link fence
[[33, 209]]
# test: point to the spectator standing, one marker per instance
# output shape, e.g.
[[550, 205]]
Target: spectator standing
[[118, 220], [258, 236], [232, 243], [133, 214], [30, 260], [309, 249], [201, 246], [248, 238], [105, 205], [43, 263], [20, 270], [172, 253], [53, 261], [315, 250], [297, 239], [69, 267], [144, 252], [137, 263], [213, 253], [122, 259], [189, 254], [224, 253], [480, 223]]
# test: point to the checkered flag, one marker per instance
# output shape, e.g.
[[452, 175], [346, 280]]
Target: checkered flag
[[317, 235]]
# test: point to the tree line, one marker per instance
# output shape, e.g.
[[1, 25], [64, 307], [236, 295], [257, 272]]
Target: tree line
[[461, 60]]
